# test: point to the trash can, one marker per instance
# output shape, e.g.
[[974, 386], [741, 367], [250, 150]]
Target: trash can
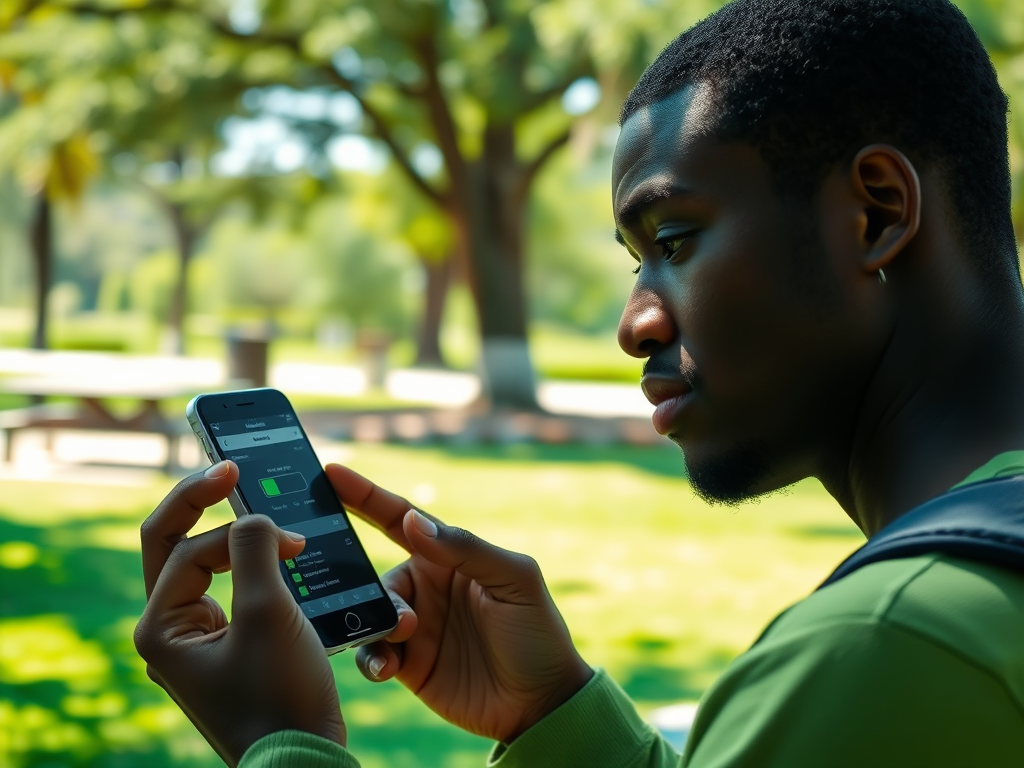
[[247, 357], [372, 347]]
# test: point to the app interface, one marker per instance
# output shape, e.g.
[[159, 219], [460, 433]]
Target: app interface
[[279, 476]]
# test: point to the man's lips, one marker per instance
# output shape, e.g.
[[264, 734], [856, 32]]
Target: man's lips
[[667, 395]]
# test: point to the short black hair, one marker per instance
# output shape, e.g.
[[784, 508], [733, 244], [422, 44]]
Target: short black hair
[[811, 82]]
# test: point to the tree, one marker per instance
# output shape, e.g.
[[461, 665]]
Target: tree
[[391, 210], [476, 84], [146, 96], [51, 157], [1000, 25]]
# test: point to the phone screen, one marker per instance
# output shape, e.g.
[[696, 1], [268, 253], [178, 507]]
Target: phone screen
[[280, 477]]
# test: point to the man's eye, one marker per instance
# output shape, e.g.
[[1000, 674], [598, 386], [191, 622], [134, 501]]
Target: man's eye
[[672, 244], [636, 270]]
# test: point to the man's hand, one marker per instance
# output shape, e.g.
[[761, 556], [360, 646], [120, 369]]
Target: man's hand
[[479, 639], [267, 670]]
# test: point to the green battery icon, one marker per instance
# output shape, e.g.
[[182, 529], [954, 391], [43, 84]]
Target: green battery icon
[[292, 482]]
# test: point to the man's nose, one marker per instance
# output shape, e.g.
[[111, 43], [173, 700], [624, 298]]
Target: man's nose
[[645, 326]]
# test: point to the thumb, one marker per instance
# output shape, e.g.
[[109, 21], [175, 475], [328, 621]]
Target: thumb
[[256, 547], [508, 576]]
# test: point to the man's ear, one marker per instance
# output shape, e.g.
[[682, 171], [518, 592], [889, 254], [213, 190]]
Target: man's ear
[[889, 191]]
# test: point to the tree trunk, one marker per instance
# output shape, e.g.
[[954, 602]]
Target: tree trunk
[[184, 237], [428, 336], [42, 255], [493, 231]]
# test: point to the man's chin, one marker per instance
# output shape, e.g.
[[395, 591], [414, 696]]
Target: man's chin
[[729, 476]]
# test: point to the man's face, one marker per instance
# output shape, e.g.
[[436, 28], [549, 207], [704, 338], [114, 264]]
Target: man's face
[[756, 354]]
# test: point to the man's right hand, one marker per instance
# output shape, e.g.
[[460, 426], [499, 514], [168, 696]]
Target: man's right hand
[[479, 639]]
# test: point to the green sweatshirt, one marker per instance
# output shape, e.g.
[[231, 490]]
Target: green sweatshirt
[[912, 662]]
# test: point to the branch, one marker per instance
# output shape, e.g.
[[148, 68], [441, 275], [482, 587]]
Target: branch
[[26, 10], [533, 167], [380, 127], [581, 66], [441, 117], [383, 132], [491, 13]]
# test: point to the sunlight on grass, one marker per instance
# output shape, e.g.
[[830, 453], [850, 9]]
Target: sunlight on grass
[[47, 648], [16, 555], [656, 586], [644, 572], [31, 728]]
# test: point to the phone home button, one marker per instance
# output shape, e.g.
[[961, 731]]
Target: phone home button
[[352, 621]]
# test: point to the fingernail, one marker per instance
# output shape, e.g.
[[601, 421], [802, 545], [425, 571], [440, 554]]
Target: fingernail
[[217, 470], [294, 536], [426, 525], [376, 664]]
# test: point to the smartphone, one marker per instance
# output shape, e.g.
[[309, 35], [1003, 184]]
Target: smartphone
[[280, 476]]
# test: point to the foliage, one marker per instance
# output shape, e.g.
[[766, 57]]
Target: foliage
[[469, 97], [150, 284], [578, 275], [365, 275], [147, 93], [1000, 25], [106, 235]]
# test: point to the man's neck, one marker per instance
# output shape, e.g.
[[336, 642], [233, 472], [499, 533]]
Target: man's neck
[[942, 402]]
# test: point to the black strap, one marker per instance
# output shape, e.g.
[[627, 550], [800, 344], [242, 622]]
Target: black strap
[[982, 522]]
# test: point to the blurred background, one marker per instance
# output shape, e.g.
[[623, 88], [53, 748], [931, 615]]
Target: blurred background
[[397, 212]]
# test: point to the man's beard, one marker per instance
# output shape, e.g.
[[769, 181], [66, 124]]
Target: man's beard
[[731, 478]]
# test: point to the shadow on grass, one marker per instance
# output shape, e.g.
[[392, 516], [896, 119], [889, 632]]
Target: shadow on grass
[[828, 532], [659, 460], [75, 693], [654, 678], [657, 682]]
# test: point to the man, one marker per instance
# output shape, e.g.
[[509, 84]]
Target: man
[[816, 193]]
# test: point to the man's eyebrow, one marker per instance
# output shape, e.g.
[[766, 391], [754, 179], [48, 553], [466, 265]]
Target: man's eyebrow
[[646, 194], [619, 238]]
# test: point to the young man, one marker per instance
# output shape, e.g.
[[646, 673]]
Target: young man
[[816, 193]]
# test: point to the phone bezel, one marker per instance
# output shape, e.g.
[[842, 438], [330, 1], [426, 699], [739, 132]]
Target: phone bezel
[[267, 401]]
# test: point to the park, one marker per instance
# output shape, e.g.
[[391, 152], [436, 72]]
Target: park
[[398, 213]]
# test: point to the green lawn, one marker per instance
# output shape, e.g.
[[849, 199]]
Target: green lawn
[[657, 587]]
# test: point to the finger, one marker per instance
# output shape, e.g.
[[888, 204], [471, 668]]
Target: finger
[[407, 620], [380, 508], [189, 569], [398, 581], [509, 576], [256, 547], [179, 512], [379, 661]]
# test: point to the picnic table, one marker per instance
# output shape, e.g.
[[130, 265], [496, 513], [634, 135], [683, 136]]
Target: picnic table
[[90, 409], [90, 381]]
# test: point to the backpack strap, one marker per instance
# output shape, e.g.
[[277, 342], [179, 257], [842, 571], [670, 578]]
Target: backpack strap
[[982, 522]]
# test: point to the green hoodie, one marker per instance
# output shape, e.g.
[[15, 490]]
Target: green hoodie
[[911, 662]]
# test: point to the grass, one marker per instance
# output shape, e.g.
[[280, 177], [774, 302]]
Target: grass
[[657, 587]]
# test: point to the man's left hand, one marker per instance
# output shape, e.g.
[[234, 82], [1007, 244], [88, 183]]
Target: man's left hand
[[263, 672]]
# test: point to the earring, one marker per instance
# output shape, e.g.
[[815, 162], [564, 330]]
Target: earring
[[881, 276]]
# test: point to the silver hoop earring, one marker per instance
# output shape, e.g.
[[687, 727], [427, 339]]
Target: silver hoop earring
[[881, 276]]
